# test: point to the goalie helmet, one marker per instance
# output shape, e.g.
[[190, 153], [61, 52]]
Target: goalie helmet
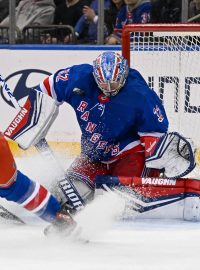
[[110, 71]]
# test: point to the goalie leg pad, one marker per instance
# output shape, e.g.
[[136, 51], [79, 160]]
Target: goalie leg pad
[[192, 209], [74, 192], [192, 200], [8, 171], [181, 196], [77, 188]]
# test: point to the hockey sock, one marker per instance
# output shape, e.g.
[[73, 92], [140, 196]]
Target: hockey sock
[[32, 196]]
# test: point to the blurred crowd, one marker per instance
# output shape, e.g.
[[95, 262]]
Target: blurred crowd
[[76, 21]]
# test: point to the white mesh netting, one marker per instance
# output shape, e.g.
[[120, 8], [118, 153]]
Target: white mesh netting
[[170, 63]]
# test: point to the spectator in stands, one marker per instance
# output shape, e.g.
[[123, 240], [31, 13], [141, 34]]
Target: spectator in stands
[[58, 2], [69, 12], [165, 11], [66, 14], [4, 8], [194, 11], [32, 12], [135, 11], [86, 27], [111, 15]]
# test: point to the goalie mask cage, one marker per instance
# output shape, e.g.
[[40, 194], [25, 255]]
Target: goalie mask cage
[[168, 57]]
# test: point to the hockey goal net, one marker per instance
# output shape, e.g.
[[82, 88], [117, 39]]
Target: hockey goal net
[[168, 57]]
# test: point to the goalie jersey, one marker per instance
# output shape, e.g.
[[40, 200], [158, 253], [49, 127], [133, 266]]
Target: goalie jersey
[[110, 127]]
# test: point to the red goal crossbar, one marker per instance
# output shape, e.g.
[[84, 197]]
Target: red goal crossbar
[[152, 28]]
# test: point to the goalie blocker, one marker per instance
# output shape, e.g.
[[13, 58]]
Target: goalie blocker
[[33, 121]]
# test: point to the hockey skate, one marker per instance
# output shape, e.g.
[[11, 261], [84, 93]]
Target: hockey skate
[[63, 225]]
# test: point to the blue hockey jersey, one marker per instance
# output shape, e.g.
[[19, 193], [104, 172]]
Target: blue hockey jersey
[[110, 126], [140, 14]]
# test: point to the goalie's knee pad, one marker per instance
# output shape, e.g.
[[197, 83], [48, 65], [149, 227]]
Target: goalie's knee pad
[[8, 171], [75, 191]]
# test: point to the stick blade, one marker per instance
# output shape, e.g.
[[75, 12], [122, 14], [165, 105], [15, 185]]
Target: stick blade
[[8, 216]]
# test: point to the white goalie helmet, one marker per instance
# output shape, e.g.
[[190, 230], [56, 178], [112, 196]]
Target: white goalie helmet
[[110, 71]]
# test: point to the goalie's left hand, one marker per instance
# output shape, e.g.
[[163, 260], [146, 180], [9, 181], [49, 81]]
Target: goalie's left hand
[[173, 153]]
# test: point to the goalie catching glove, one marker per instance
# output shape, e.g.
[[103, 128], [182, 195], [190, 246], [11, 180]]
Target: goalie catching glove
[[171, 152]]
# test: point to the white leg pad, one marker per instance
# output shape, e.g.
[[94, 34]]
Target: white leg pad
[[192, 209]]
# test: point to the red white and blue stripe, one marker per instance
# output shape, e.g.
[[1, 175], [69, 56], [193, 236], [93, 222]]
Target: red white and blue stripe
[[33, 197]]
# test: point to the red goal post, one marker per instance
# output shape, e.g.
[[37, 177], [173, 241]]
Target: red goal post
[[168, 57]]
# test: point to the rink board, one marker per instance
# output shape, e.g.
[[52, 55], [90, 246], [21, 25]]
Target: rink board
[[68, 149]]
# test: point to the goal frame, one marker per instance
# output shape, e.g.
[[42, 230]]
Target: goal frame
[[181, 27]]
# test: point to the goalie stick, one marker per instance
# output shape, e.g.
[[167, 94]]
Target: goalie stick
[[7, 215], [35, 103]]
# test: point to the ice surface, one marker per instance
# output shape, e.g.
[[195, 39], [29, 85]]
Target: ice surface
[[119, 245]]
